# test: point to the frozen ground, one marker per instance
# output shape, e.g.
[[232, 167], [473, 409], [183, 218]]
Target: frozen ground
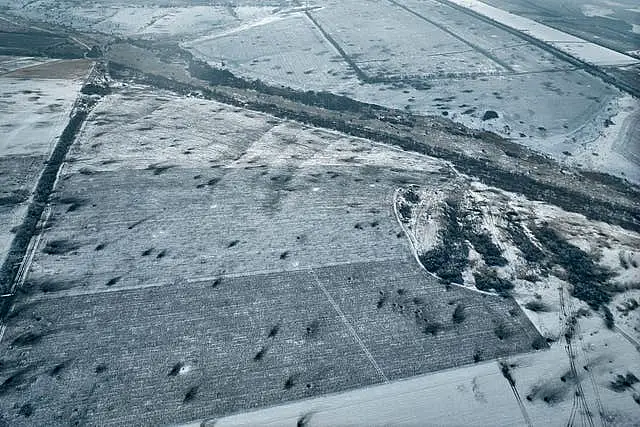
[[439, 61], [480, 395], [540, 101], [611, 23], [574, 46], [33, 113], [268, 251], [271, 255], [141, 19], [254, 261]]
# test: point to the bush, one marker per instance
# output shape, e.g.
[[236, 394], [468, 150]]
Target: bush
[[59, 247], [609, 322], [411, 196], [623, 382], [459, 314], [405, 211], [190, 394], [539, 343], [489, 115], [95, 89], [451, 257], [432, 328], [491, 254], [521, 240], [501, 331], [536, 306], [489, 280], [588, 279]]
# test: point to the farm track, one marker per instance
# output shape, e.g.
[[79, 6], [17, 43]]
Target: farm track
[[580, 405], [348, 325], [629, 87], [504, 368]]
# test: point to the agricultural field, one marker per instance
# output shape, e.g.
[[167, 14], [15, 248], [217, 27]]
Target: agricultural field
[[314, 213], [34, 109], [141, 19], [615, 24], [539, 100], [440, 61], [284, 49], [272, 244], [476, 395], [387, 42]]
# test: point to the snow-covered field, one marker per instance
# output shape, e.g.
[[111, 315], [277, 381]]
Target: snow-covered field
[[574, 46], [576, 381], [144, 20], [284, 49], [33, 113], [469, 66], [479, 395], [386, 42]]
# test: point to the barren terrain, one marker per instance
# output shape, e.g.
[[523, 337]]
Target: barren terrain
[[322, 213]]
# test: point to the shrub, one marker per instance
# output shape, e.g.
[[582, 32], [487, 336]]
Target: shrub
[[451, 257], [488, 280], [491, 254], [536, 306], [175, 369], [588, 279], [489, 115], [405, 211], [274, 331], [539, 343], [291, 381], [190, 394], [260, 354], [459, 314], [501, 331], [608, 317], [432, 328], [521, 240], [411, 196], [623, 382]]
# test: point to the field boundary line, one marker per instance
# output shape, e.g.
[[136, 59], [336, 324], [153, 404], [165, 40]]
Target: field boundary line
[[345, 57], [628, 337], [344, 319], [70, 293]]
